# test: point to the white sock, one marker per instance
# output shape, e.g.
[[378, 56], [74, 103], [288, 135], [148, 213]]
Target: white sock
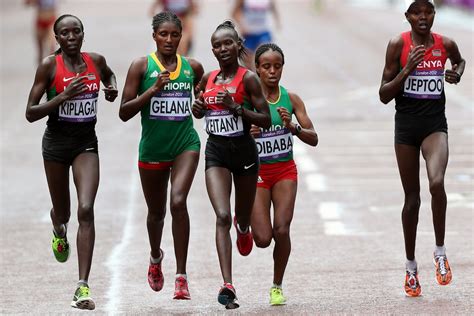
[[242, 231], [156, 260], [411, 265], [82, 283], [440, 251], [276, 286], [181, 275]]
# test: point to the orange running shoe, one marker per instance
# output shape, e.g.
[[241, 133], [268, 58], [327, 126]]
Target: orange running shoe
[[155, 275], [244, 240], [412, 285], [181, 291], [443, 270]]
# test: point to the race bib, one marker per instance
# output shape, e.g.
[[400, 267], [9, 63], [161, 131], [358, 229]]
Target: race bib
[[424, 84], [170, 106], [224, 123], [82, 108], [274, 144]]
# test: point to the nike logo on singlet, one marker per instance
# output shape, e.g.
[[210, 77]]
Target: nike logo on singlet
[[249, 166], [68, 79], [209, 90]]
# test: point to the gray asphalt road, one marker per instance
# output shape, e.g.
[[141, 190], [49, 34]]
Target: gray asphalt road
[[347, 255]]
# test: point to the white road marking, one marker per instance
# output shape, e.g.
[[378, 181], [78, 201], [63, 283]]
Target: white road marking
[[116, 260], [316, 182], [330, 210], [335, 228], [306, 164]]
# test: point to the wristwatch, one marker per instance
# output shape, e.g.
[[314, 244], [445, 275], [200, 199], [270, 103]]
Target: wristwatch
[[239, 111], [298, 128]]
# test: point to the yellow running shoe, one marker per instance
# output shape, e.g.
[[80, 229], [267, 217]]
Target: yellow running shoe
[[276, 296], [82, 299]]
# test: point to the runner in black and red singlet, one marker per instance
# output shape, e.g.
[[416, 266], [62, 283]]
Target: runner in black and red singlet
[[231, 99], [414, 76], [71, 79]]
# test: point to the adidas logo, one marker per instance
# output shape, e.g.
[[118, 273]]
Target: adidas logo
[[154, 74]]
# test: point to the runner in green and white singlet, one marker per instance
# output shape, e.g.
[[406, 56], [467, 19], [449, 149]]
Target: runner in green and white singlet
[[277, 176]]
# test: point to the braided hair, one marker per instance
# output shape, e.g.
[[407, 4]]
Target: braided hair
[[55, 27], [266, 47], [229, 25], [166, 16]]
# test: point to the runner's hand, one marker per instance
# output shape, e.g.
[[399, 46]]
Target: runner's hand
[[285, 116], [199, 107], [110, 93], [76, 87], [162, 79], [452, 76], [255, 131], [415, 57]]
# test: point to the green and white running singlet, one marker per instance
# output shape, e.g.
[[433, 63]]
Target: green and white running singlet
[[275, 144], [167, 124]]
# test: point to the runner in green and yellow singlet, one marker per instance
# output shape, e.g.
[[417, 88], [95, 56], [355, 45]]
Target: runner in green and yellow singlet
[[160, 86], [277, 177]]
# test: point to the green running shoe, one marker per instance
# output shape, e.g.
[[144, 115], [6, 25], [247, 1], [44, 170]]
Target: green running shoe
[[81, 299], [276, 297], [60, 248]]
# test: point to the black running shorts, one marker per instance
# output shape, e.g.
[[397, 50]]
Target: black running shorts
[[238, 154], [412, 130], [64, 150]]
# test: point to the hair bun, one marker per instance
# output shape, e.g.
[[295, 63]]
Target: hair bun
[[228, 23]]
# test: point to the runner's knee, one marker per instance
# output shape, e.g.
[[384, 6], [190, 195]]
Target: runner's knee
[[85, 213], [437, 186], [224, 220], [281, 232], [178, 205], [261, 240]]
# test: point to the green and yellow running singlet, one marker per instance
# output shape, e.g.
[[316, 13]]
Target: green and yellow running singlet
[[167, 125], [276, 143]]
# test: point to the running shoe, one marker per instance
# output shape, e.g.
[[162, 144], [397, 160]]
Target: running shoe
[[181, 291], [443, 270], [244, 240], [60, 247], [276, 296], [155, 275], [227, 296], [82, 299], [412, 285]]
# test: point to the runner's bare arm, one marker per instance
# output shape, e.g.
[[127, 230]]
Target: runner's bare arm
[[131, 103], [261, 117], [307, 133], [393, 78], [458, 63], [43, 79], [107, 76]]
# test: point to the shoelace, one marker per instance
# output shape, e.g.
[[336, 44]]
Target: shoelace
[[277, 290], [83, 291], [441, 264], [180, 283], [412, 276]]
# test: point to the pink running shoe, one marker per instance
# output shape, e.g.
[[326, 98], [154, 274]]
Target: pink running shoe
[[181, 291], [155, 275]]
